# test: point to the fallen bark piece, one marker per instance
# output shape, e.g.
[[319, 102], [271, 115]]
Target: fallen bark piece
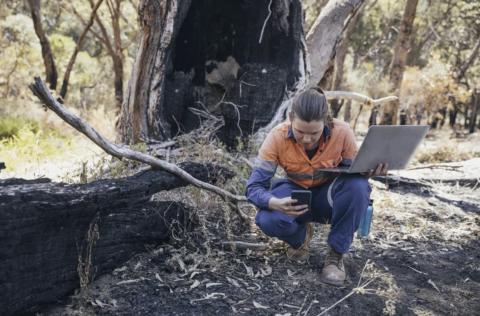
[[57, 237]]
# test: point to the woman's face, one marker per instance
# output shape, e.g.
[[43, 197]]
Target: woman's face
[[307, 133]]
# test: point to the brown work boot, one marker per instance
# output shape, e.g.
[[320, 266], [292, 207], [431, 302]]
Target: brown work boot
[[302, 253], [333, 270]]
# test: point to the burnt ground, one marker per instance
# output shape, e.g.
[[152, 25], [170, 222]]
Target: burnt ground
[[421, 258]]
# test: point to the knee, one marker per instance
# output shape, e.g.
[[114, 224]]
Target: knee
[[356, 185], [274, 225]]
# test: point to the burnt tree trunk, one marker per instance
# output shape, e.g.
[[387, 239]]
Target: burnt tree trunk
[[57, 237], [238, 60], [231, 58]]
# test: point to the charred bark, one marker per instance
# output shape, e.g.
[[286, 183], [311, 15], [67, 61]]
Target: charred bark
[[233, 58], [57, 237]]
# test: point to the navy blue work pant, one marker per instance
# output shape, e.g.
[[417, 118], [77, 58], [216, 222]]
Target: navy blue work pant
[[341, 202]]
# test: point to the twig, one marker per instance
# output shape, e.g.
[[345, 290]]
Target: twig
[[418, 271], [361, 274], [305, 313], [433, 284], [240, 213], [42, 92], [235, 107], [354, 291], [245, 245], [453, 167], [303, 305], [265, 22]]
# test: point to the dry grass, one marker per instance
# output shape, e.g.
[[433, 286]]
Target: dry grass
[[42, 145], [445, 153]]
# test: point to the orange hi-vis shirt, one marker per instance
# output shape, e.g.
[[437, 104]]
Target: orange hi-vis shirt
[[281, 149]]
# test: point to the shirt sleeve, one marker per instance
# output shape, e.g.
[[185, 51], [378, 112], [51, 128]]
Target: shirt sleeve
[[350, 148], [258, 185]]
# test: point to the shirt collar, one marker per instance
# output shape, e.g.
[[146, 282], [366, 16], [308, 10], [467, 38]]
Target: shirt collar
[[325, 133]]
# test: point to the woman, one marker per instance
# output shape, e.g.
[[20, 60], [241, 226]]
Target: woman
[[309, 142]]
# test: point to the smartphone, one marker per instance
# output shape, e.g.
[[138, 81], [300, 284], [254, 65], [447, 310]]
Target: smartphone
[[303, 197]]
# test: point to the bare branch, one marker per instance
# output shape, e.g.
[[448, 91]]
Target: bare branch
[[358, 97], [79, 16], [42, 92], [463, 69], [265, 22], [106, 37], [81, 39]]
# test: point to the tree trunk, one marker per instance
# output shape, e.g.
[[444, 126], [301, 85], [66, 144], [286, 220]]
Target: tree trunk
[[57, 237], [372, 120], [50, 69], [323, 37], [118, 80], [400, 53], [347, 114], [341, 53], [112, 43], [452, 113], [232, 59], [78, 47], [474, 110]]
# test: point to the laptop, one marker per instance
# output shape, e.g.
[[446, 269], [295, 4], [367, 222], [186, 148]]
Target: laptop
[[391, 144]]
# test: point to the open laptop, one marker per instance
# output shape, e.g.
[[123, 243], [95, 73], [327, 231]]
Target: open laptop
[[394, 145]]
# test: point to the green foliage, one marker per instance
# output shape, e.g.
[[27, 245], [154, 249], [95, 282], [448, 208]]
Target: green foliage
[[19, 28], [10, 126], [62, 48], [28, 145]]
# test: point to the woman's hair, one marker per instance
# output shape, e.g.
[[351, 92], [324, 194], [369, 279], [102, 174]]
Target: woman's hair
[[311, 105]]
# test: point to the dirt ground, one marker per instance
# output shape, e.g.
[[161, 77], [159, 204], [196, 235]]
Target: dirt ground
[[421, 258]]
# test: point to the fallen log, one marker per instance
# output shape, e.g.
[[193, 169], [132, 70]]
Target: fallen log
[[55, 237]]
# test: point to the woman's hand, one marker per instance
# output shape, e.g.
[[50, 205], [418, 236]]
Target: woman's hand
[[286, 205], [381, 170]]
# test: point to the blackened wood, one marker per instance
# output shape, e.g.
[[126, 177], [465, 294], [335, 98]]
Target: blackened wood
[[182, 39], [44, 229]]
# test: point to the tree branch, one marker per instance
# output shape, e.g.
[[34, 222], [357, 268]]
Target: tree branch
[[104, 32], [42, 92], [71, 62], [358, 97], [79, 16], [469, 62]]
